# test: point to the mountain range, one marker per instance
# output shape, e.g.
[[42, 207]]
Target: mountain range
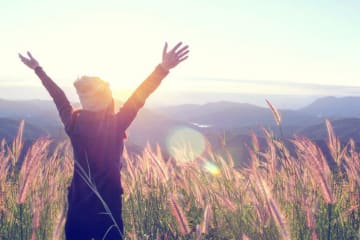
[[235, 120]]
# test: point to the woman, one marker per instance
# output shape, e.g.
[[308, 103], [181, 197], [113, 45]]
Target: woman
[[97, 136]]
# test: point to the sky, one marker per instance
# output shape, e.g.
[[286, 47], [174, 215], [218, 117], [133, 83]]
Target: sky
[[238, 48]]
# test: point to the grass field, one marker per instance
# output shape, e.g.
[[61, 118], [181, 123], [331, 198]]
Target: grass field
[[281, 196]]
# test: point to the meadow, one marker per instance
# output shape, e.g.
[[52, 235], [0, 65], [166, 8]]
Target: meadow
[[284, 194]]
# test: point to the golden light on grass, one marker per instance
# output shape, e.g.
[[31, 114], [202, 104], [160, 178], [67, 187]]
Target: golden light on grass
[[211, 168], [185, 144]]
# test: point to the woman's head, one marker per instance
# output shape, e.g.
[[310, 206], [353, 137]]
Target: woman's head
[[94, 93]]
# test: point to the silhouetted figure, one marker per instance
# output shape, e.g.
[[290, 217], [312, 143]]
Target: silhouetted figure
[[97, 136]]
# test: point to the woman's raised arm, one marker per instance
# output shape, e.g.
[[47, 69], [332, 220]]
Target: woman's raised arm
[[62, 103], [170, 59]]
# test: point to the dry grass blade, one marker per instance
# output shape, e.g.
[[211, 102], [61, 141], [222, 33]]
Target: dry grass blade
[[275, 112], [273, 206], [31, 166], [59, 224], [255, 141], [18, 141], [179, 215], [317, 165], [333, 143], [279, 219], [206, 219]]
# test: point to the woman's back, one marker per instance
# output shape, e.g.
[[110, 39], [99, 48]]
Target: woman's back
[[97, 145]]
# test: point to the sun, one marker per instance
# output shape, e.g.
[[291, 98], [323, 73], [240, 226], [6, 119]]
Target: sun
[[121, 95]]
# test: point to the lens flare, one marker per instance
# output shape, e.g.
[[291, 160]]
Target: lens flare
[[185, 144], [211, 168]]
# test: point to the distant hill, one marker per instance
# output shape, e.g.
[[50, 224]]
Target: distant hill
[[10, 127], [41, 117], [42, 110], [344, 129], [229, 115], [39, 113], [153, 127], [238, 147], [334, 107]]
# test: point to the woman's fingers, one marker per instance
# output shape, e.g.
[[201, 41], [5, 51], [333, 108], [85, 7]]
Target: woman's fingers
[[183, 54], [182, 59], [176, 55], [165, 50], [176, 47], [23, 59], [182, 50], [30, 61], [30, 56]]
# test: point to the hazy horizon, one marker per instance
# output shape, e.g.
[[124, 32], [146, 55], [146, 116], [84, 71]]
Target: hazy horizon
[[284, 101]]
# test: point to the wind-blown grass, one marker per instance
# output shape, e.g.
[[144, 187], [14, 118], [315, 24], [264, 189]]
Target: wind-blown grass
[[283, 195]]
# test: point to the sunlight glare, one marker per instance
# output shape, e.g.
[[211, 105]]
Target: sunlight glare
[[185, 144], [211, 168]]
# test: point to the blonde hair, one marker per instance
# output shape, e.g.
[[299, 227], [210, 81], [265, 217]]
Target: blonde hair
[[94, 93]]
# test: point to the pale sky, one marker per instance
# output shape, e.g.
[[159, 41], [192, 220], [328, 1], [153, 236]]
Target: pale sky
[[236, 46]]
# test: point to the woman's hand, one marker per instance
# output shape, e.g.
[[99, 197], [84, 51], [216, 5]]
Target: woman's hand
[[172, 58], [30, 62]]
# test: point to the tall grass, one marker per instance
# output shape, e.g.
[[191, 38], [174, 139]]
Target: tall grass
[[283, 195]]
